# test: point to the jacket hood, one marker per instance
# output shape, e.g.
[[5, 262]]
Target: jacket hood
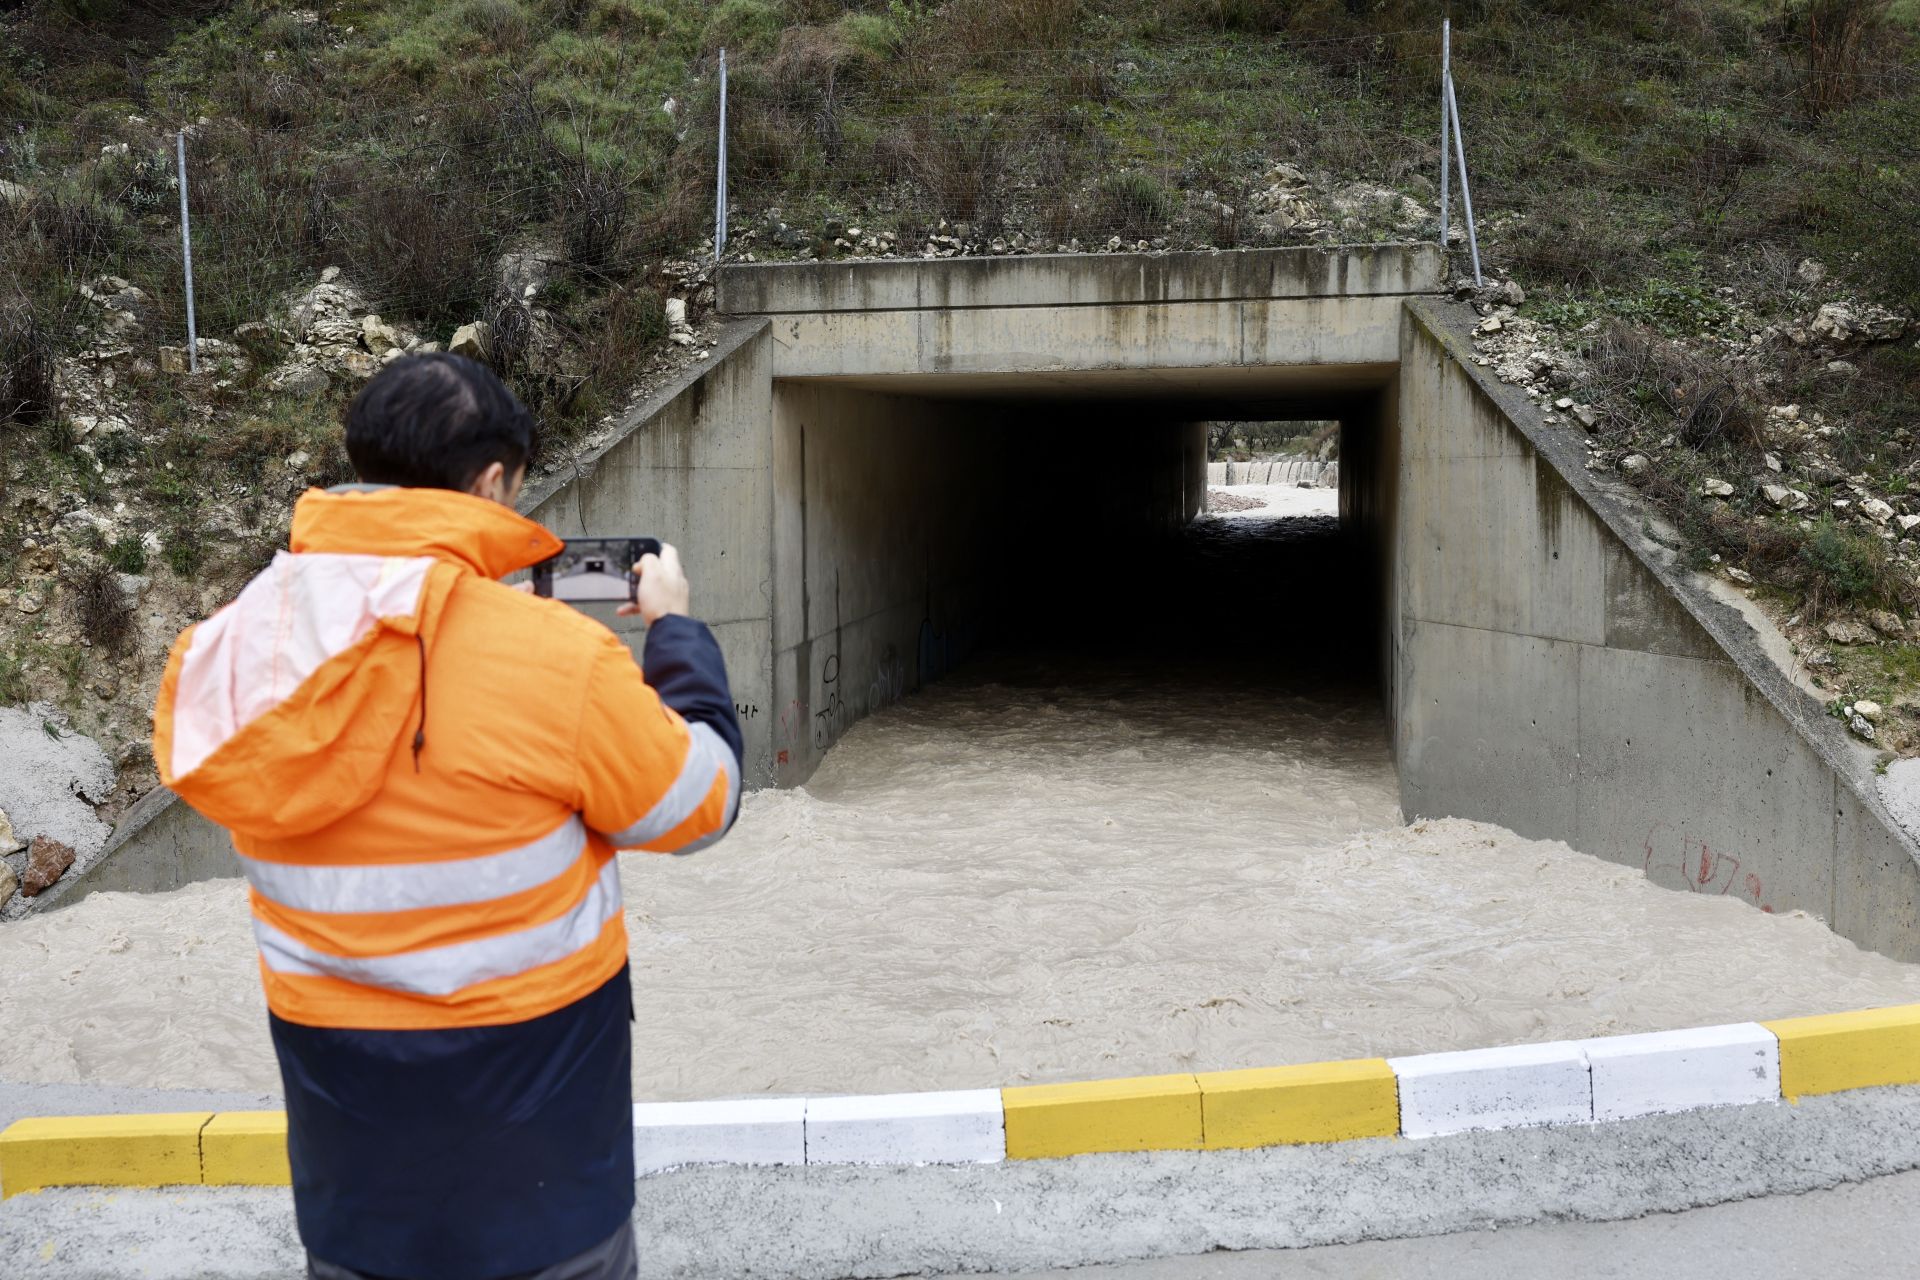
[[281, 713]]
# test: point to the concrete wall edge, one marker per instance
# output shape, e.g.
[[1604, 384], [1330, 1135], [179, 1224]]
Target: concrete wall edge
[[1449, 325]]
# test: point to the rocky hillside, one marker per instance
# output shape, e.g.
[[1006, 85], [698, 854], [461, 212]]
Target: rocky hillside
[[1697, 217]]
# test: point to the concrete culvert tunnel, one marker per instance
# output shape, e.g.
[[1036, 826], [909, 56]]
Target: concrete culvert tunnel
[[1063, 777]]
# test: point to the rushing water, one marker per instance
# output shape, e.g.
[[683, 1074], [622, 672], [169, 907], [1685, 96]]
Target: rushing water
[[1177, 849]]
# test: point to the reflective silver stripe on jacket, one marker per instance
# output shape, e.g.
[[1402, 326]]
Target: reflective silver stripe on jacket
[[409, 886], [707, 756], [441, 971]]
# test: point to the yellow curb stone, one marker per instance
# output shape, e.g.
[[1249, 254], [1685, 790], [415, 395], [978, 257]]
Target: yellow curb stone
[[100, 1151], [1830, 1052], [1146, 1113], [246, 1149], [1315, 1102]]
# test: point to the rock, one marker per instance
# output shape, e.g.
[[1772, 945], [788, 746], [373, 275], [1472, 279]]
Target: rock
[[1847, 631], [1888, 623], [378, 335], [1862, 727], [1716, 488], [472, 340], [1585, 416], [298, 460], [131, 587], [9, 842], [428, 349], [1772, 461], [329, 275], [676, 310], [47, 861], [1784, 498], [1842, 368], [525, 272], [1868, 711], [300, 380], [1876, 510], [1635, 464], [1810, 271], [13, 193], [1740, 576], [1906, 523], [333, 331], [9, 884], [359, 364], [173, 359]]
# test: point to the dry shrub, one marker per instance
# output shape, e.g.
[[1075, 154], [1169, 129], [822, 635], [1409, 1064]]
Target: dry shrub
[[1841, 39], [27, 392], [1646, 375], [961, 164], [990, 26], [103, 611], [595, 216], [1582, 248], [420, 246]]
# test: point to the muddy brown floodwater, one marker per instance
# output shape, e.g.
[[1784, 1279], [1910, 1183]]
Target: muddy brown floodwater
[[1044, 868]]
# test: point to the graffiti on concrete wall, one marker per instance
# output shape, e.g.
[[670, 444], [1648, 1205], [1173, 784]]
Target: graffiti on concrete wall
[[1702, 868]]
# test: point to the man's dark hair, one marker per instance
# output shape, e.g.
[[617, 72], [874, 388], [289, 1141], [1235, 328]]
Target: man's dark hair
[[436, 422]]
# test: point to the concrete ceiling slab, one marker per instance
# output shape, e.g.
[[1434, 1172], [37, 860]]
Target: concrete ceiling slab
[[1247, 391]]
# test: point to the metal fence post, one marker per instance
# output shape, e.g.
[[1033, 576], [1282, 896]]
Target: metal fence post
[[1446, 163], [1466, 193], [186, 253], [720, 185]]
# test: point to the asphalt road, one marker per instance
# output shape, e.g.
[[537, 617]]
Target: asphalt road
[[1861, 1231]]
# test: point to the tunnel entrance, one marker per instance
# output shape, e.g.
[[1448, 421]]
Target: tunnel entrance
[[876, 458], [923, 519]]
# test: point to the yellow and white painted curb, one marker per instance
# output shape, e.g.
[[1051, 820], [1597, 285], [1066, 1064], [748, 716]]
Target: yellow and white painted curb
[[1568, 1082]]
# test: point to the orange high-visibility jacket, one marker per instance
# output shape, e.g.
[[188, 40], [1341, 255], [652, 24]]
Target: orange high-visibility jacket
[[426, 772]]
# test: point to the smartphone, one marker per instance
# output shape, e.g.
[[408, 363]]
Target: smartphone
[[594, 569]]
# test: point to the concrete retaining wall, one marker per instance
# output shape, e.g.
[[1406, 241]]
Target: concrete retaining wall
[[1554, 675], [881, 538], [690, 464]]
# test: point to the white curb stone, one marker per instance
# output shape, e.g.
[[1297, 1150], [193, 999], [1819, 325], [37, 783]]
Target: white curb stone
[[1507, 1088], [965, 1126], [745, 1131], [1668, 1071]]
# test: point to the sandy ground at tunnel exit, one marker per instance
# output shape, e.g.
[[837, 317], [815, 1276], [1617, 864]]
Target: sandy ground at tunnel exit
[[1038, 869]]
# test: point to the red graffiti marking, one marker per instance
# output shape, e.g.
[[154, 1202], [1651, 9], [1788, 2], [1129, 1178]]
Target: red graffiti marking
[[1701, 868]]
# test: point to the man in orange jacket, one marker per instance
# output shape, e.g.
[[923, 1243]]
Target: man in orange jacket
[[427, 774]]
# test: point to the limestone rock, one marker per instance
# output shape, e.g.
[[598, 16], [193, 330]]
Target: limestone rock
[[1810, 271], [300, 380], [173, 359], [1784, 498], [47, 861], [8, 840], [1635, 464], [1888, 623], [1868, 711], [1740, 576], [359, 364], [1906, 523], [1847, 631], [472, 340], [378, 335], [1876, 510], [1862, 727], [9, 884], [1716, 488]]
